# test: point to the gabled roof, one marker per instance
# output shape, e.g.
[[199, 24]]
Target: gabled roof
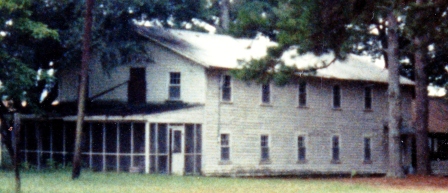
[[223, 51]]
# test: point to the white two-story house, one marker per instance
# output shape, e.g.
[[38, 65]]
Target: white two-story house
[[183, 113]]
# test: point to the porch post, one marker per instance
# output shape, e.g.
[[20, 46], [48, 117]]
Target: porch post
[[39, 145], [90, 146], [104, 147], [118, 147], [147, 147], [132, 144]]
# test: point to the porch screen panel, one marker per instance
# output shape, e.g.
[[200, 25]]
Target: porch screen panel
[[193, 148], [58, 141], [97, 146], [162, 148], [139, 145], [125, 146], [70, 140], [111, 146]]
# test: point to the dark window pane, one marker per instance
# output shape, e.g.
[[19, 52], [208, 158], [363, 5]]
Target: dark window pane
[[368, 98], [125, 137], [177, 142], [111, 137], [198, 139], [174, 92], [367, 150], [189, 138], [225, 153], [153, 138], [174, 77], [336, 96], [265, 93], [139, 138], [302, 94], [226, 88], [97, 137], [162, 138], [335, 148]]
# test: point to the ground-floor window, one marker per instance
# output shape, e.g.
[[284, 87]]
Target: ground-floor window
[[225, 148], [264, 139], [301, 148], [335, 149], [438, 146], [367, 150]]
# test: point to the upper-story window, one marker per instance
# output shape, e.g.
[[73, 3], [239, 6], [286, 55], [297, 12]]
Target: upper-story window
[[302, 94], [368, 98], [336, 96], [266, 93], [174, 86], [226, 92]]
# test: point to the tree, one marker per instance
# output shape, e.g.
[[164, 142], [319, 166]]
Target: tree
[[19, 77], [82, 88], [427, 27], [342, 27]]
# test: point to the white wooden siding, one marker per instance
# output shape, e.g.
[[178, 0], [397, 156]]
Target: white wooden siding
[[157, 79], [246, 119]]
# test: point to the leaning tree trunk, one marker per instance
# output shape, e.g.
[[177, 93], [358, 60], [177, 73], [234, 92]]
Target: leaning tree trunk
[[82, 89], [394, 98], [421, 107]]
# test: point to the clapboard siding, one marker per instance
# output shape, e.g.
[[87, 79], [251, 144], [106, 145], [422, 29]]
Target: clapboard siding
[[157, 79], [245, 119]]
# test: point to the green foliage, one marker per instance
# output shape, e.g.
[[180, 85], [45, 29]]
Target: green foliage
[[18, 69]]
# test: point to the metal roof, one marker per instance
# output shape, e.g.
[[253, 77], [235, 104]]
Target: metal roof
[[223, 51]]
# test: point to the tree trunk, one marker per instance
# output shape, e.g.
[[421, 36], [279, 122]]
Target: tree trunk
[[6, 136], [395, 169], [421, 107], [225, 18], [82, 89], [16, 130]]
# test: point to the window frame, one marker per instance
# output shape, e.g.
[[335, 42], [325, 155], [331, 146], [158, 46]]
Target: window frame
[[301, 148], [265, 148], [337, 96], [367, 149], [335, 150], [174, 85], [224, 146], [266, 100], [368, 98], [226, 88], [302, 94]]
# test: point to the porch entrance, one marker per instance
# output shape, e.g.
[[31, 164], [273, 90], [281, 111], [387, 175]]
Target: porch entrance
[[177, 150]]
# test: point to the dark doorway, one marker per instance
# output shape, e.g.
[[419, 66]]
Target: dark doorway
[[137, 86]]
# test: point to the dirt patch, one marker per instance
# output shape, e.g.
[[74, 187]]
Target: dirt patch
[[410, 182]]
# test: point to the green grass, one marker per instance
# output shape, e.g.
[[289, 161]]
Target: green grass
[[60, 181]]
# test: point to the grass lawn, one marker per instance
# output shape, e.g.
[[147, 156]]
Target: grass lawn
[[60, 181]]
